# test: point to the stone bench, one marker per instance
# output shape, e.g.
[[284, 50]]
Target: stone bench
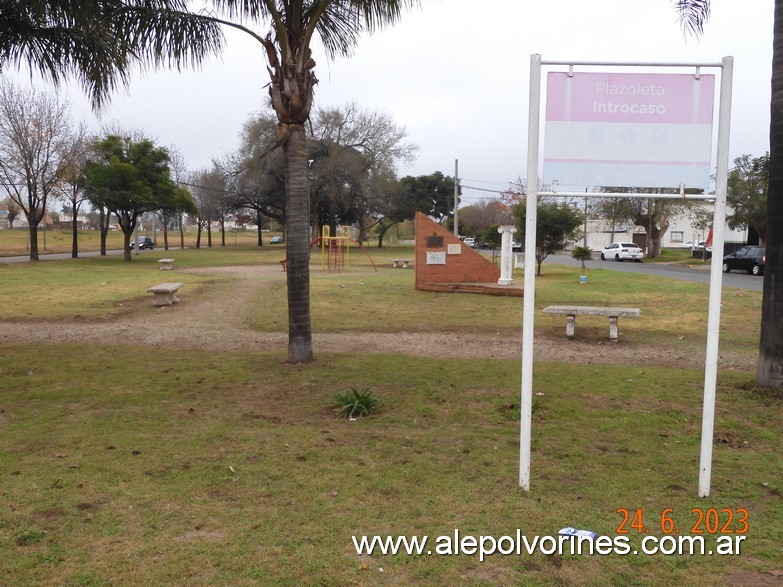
[[572, 311], [396, 263], [165, 264], [165, 293]]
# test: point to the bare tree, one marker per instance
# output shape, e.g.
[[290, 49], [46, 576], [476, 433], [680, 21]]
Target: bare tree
[[351, 149], [485, 213], [208, 189], [179, 175], [72, 188], [36, 151]]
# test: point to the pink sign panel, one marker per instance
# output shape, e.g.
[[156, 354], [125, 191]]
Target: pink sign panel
[[628, 129]]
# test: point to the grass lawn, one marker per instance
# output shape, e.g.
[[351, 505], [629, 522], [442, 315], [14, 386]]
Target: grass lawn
[[16, 242], [129, 465]]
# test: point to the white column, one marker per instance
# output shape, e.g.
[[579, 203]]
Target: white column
[[506, 239]]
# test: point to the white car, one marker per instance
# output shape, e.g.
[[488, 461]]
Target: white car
[[623, 251]]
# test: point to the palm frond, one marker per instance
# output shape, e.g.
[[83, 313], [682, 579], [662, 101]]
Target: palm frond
[[343, 21], [99, 42], [692, 15]]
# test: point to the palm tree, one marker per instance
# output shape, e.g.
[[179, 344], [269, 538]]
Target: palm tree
[[101, 40], [769, 369]]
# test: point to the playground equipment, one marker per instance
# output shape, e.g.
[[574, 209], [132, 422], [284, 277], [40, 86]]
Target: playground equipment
[[335, 250]]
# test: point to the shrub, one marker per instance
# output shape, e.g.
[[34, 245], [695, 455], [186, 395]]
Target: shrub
[[356, 403], [582, 254]]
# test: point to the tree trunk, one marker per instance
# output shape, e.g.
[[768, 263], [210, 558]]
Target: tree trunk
[[222, 231], [75, 239], [126, 238], [33, 242], [769, 370], [181, 232], [382, 230], [103, 225], [300, 343]]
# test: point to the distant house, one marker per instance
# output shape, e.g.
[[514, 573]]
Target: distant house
[[65, 222], [680, 234]]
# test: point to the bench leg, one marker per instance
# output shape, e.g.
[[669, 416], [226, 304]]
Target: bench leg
[[571, 326], [165, 299], [613, 328]]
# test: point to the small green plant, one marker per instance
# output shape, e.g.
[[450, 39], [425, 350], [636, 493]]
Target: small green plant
[[356, 403], [582, 254], [27, 537]]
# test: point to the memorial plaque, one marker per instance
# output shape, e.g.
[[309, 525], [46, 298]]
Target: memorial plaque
[[454, 249], [434, 242], [436, 258]]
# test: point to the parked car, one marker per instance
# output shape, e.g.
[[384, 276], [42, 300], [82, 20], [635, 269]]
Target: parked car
[[750, 259], [623, 251], [470, 241], [145, 242], [276, 240]]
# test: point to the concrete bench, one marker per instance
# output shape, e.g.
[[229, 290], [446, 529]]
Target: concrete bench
[[572, 311], [398, 261], [165, 293], [165, 264]]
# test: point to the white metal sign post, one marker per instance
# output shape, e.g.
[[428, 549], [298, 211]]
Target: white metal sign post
[[628, 130]]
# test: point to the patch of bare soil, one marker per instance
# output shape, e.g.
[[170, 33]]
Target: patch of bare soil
[[206, 320]]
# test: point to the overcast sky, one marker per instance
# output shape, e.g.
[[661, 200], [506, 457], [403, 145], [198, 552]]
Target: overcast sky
[[455, 75]]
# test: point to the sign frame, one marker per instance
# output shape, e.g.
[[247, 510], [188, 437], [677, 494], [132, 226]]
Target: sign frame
[[726, 67]]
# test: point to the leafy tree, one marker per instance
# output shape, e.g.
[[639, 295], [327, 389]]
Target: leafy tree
[[654, 215], [36, 151], [130, 178], [769, 369], [492, 237], [747, 186], [557, 222], [582, 254], [431, 194]]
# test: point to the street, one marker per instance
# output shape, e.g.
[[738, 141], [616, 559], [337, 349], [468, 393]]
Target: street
[[695, 274]]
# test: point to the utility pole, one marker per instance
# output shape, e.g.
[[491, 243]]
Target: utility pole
[[585, 239], [456, 196]]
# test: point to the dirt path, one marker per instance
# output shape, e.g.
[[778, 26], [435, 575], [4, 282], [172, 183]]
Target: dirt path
[[214, 321]]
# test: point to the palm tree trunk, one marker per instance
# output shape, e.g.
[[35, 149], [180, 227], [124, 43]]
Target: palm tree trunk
[[300, 343], [769, 371]]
